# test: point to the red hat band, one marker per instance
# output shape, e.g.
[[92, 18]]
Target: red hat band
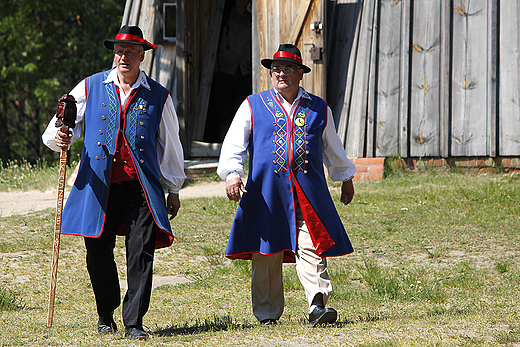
[[129, 37], [283, 54]]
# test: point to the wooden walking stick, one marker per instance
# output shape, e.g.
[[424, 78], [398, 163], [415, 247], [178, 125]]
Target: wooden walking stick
[[66, 119]]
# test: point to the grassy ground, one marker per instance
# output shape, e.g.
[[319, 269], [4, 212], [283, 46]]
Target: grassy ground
[[435, 264]]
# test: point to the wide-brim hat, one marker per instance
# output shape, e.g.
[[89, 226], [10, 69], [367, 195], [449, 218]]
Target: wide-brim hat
[[130, 34], [287, 52]]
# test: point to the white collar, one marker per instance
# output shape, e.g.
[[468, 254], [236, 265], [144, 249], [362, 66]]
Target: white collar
[[141, 80], [302, 93]]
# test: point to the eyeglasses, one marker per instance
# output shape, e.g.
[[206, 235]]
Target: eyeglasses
[[286, 70]]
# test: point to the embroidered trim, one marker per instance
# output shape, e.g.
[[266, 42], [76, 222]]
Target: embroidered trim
[[138, 107], [112, 115], [280, 132]]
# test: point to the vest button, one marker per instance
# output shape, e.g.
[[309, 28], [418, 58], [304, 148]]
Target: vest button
[[115, 160], [306, 162], [99, 144], [103, 117], [97, 157], [103, 104], [274, 132], [306, 152], [274, 161], [101, 132], [142, 161], [142, 137], [141, 123], [305, 171], [141, 150]]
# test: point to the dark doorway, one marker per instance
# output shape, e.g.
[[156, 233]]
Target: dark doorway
[[232, 79]]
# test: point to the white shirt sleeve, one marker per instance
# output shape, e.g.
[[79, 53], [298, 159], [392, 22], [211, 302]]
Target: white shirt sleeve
[[169, 150], [233, 153], [48, 135], [339, 166]]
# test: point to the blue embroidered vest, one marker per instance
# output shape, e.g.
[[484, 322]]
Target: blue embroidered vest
[[84, 212], [285, 163]]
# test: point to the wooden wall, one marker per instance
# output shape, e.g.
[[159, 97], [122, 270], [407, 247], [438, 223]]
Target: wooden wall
[[414, 78], [421, 77]]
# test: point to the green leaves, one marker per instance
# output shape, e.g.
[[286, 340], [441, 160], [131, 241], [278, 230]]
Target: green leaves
[[46, 48]]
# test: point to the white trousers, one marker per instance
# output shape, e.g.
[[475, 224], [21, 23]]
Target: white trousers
[[267, 279]]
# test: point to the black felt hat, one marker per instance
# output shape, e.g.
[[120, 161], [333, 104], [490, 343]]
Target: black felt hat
[[287, 52], [130, 34]]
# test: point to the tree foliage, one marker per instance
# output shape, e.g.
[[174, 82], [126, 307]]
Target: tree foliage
[[46, 48]]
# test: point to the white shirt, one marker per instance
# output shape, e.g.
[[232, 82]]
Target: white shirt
[[234, 148], [169, 149]]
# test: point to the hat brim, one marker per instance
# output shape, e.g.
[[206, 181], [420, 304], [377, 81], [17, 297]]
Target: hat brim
[[110, 44], [267, 63]]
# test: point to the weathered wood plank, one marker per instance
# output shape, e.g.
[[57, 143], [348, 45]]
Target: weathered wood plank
[[425, 79], [127, 12], [357, 121], [404, 74], [299, 19], [135, 13], [388, 79], [509, 107], [492, 76], [314, 82], [469, 81], [164, 65], [444, 97], [147, 23], [345, 110], [371, 95]]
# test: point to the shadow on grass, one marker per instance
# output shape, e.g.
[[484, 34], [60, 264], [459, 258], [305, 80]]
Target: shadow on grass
[[217, 324]]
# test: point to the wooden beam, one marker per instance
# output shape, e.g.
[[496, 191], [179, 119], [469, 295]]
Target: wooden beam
[[210, 56], [299, 19]]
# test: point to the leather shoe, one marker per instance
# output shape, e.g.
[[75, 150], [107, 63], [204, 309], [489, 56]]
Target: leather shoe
[[106, 324], [135, 333], [268, 321], [321, 315]]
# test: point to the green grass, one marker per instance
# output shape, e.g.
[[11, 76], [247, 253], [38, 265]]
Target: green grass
[[435, 264]]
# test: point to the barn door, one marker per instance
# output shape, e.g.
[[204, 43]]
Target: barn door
[[300, 22]]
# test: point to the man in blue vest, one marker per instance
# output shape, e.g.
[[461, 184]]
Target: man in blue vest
[[131, 157], [286, 213]]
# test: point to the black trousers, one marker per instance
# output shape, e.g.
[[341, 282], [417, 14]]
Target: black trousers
[[126, 204]]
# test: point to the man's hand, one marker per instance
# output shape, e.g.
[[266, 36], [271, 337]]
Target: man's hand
[[63, 138], [347, 192], [173, 204], [233, 188]]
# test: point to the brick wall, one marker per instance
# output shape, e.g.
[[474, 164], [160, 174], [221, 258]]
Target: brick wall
[[369, 169]]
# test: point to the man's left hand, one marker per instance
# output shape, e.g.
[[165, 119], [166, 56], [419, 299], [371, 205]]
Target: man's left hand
[[347, 192], [173, 204]]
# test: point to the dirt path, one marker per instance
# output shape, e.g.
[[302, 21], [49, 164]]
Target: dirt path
[[18, 202]]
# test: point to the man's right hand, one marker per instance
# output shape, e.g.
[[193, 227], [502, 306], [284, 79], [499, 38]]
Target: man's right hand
[[63, 139], [233, 188]]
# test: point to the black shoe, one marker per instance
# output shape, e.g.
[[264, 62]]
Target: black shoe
[[321, 315], [106, 324], [135, 333], [268, 321]]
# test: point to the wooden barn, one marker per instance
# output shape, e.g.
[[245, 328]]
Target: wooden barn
[[416, 79]]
